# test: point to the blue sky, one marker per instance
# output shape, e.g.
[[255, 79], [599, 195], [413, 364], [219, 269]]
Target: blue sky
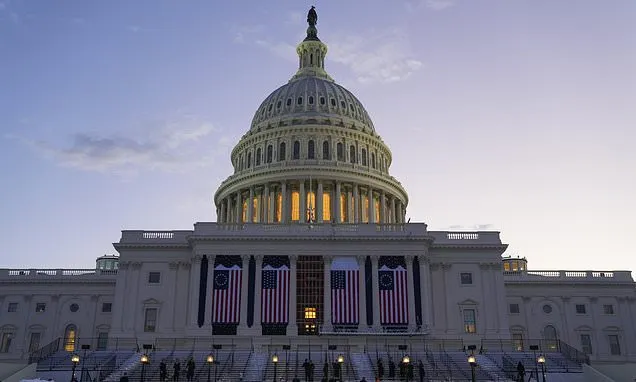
[[515, 116]]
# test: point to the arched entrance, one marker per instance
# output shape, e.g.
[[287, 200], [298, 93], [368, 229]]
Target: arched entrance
[[70, 338], [550, 338]]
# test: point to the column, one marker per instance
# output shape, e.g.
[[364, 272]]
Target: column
[[326, 325], [292, 328], [302, 208], [269, 205], [228, 209], [319, 205], [410, 291], [285, 202], [244, 291], [392, 213], [221, 214], [239, 205], [250, 206], [371, 206], [337, 201], [257, 293], [376, 291], [207, 319], [425, 286], [195, 276], [349, 206], [362, 293], [356, 204], [383, 218]]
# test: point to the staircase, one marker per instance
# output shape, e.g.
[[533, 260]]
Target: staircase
[[362, 364], [255, 368], [127, 367]]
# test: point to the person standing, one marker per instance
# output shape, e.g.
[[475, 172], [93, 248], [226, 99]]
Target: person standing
[[176, 370], [163, 371], [421, 371]]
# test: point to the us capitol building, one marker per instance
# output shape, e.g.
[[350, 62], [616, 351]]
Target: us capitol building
[[311, 252]]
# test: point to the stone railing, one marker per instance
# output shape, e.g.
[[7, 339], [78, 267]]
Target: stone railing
[[56, 273], [466, 238], [552, 276]]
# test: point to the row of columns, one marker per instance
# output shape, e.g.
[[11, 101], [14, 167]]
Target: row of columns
[[425, 285], [262, 204]]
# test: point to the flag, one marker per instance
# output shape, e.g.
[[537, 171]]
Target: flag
[[393, 296], [227, 294], [344, 296], [275, 295]]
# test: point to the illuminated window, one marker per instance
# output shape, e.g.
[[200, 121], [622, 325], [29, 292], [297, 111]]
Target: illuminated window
[[255, 211], [244, 214], [311, 206], [470, 325], [326, 206], [295, 201], [377, 210], [310, 313], [365, 209], [70, 335], [343, 208], [279, 207]]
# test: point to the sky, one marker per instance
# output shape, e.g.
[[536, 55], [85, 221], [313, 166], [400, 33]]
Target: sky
[[515, 116]]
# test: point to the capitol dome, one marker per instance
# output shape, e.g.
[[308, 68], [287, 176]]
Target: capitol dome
[[311, 155]]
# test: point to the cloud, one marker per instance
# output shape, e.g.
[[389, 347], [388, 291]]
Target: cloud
[[171, 147], [280, 49], [376, 56], [133, 28], [435, 5], [241, 33], [295, 18]]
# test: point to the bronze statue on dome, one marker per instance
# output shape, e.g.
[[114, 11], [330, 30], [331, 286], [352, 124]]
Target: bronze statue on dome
[[312, 17]]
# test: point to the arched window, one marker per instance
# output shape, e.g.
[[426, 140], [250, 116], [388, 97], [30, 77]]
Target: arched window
[[270, 153], [340, 152], [373, 160], [258, 156], [364, 157], [325, 150], [241, 163], [550, 336], [311, 59], [249, 160], [281, 152], [311, 100], [70, 337], [296, 150], [311, 150], [300, 100], [352, 154], [322, 100]]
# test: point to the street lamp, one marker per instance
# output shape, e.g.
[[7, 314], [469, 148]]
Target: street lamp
[[473, 363], [75, 359], [144, 360], [541, 361], [405, 361], [340, 360], [210, 361], [275, 360], [534, 349]]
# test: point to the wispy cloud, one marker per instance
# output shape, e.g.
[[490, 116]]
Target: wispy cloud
[[435, 5], [280, 49], [171, 147], [376, 56], [295, 18], [242, 33]]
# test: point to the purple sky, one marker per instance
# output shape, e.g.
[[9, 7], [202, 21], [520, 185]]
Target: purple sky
[[516, 116]]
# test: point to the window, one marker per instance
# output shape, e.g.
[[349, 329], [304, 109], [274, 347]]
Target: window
[[517, 339], [333, 102], [70, 336], [150, 320], [550, 336], [288, 101], [322, 100], [513, 308], [258, 156], [300, 100], [310, 313], [40, 307], [586, 343], [34, 341], [547, 309], [281, 152], [249, 160], [296, 153], [343, 104], [615, 346], [311, 150], [373, 160], [470, 325], [340, 151], [13, 307], [466, 278], [107, 307], [73, 308], [325, 150], [270, 153], [311, 100], [5, 345], [154, 277], [102, 340], [580, 308], [352, 154], [364, 157], [608, 309]]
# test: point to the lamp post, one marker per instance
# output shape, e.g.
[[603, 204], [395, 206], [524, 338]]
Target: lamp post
[[405, 361], [75, 359], [275, 361], [144, 360], [534, 349], [473, 363], [541, 361], [340, 362], [210, 361]]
